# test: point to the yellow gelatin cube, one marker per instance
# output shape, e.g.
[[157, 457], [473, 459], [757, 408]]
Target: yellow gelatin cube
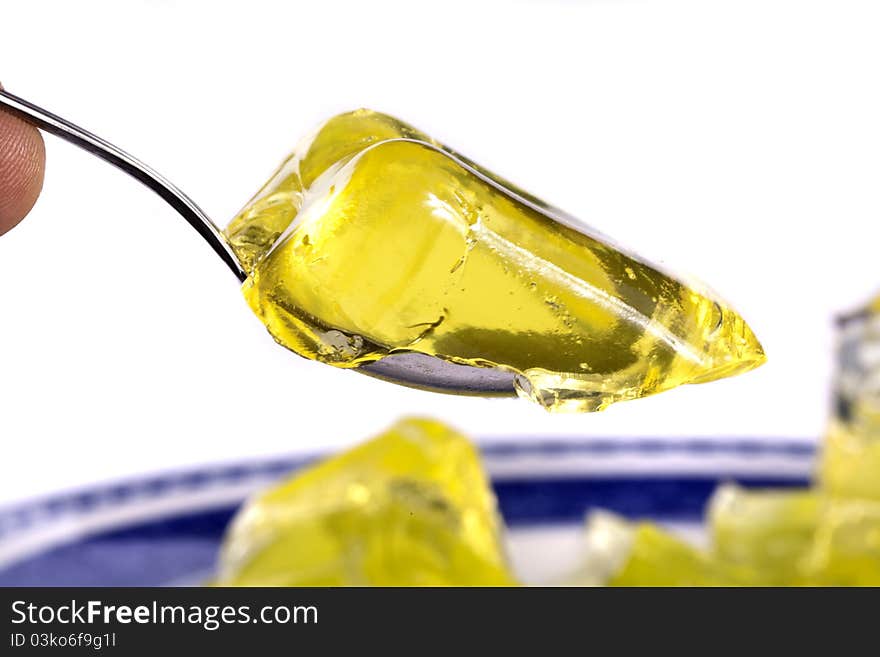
[[373, 239], [624, 553], [850, 463], [847, 546], [770, 532], [411, 507]]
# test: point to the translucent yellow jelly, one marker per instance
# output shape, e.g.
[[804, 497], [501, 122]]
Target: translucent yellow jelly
[[623, 553], [372, 239], [411, 507], [850, 464], [847, 545], [769, 532]]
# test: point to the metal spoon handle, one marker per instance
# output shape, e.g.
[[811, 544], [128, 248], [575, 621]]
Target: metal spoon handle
[[184, 205], [411, 369]]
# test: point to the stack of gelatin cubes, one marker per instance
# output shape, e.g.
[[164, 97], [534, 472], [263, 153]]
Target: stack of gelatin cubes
[[414, 507]]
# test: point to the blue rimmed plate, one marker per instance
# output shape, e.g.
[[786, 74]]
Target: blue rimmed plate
[[167, 529]]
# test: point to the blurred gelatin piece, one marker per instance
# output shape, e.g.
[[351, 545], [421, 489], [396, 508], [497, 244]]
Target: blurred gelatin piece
[[373, 238], [850, 463], [846, 551], [769, 532], [624, 553], [411, 507]]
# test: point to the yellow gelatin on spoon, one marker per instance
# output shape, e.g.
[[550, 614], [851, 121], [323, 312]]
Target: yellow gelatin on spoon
[[374, 239]]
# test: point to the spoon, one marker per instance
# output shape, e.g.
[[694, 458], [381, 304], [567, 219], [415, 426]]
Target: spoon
[[410, 369]]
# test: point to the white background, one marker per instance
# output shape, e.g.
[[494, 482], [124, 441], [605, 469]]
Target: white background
[[738, 141]]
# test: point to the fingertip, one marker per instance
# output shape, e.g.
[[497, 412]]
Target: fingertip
[[22, 167]]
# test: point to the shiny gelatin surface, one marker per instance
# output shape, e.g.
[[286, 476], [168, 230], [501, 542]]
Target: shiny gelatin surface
[[412, 507], [372, 238]]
